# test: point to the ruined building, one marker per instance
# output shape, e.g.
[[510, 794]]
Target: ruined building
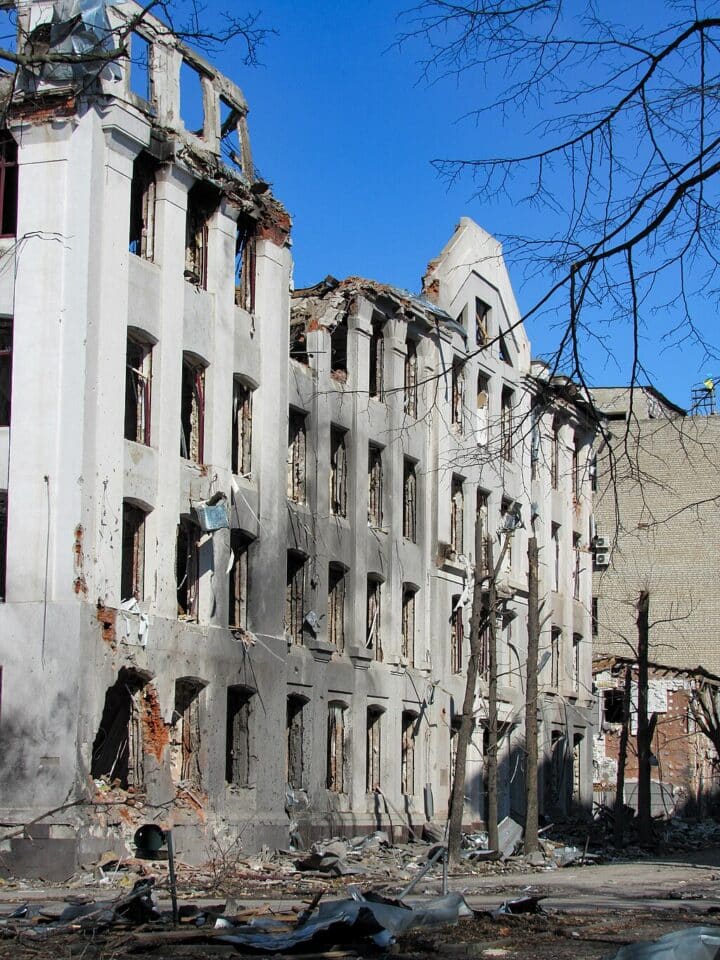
[[236, 579], [656, 513]]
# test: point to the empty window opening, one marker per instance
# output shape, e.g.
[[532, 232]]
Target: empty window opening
[[373, 634], [140, 50], [296, 466], [408, 625], [338, 472], [142, 207], [407, 758], [245, 263], [138, 380], [482, 322], [411, 378], [238, 745], [373, 756], [577, 650], [242, 423], [457, 515], [8, 186], [298, 343], [457, 633], [555, 559], [338, 351], [185, 733], [506, 423], [238, 580], [6, 345], [535, 439], [555, 456], [336, 605], [481, 517], [409, 500], [503, 350], [375, 486], [192, 410], [557, 766], [458, 395], [507, 521], [614, 706], [484, 659], [577, 763], [230, 134], [3, 543], [295, 741], [187, 568], [482, 419], [593, 471], [336, 748], [555, 640], [576, 472], [295, 596], [377, 360], [202, 202], [117, 751], [192, 109], [132, 577], [577, 569]]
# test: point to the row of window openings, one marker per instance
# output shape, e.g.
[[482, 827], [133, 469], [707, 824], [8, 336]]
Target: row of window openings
[[376, 362], [296, 625], [138, 406], [187, 566], [575, 663], [482, 406], [118, 749], [202, 202], [483, 329], [576, 469], [339, 473]]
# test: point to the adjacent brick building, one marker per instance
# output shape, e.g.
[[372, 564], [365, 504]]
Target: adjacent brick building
[[657, 523]]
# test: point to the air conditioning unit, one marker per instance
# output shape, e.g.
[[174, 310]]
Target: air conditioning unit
[[601, 543], [602, 559]]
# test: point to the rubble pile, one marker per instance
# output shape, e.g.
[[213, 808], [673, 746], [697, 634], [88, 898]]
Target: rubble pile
[[133, 922]]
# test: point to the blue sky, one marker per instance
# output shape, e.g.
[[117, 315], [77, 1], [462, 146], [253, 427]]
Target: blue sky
[[345, 129]]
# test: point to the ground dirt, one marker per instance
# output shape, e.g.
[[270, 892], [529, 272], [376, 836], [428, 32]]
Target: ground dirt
[[590, 912]]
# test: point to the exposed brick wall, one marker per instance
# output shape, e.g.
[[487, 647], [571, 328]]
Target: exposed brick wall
[[686, 759]]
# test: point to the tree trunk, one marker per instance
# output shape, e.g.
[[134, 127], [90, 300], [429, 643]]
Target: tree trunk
[[619, 825], [467, 723], [531, 702], [492, 757], [643, 726]]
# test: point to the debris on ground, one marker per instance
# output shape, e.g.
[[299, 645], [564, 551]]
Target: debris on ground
[[695, 943], [363, 917]]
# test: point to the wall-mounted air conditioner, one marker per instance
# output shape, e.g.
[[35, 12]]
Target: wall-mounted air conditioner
[[602, 559], [601, 543]]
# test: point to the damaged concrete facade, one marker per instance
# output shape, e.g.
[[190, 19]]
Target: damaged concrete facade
[[442, 423], [236, 582]]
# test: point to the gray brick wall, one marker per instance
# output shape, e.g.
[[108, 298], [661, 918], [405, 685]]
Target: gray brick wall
[[658, 499]]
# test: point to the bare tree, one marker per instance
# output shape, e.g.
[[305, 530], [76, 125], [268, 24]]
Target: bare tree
[[705, 710], [624, 163], [531, 704]]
